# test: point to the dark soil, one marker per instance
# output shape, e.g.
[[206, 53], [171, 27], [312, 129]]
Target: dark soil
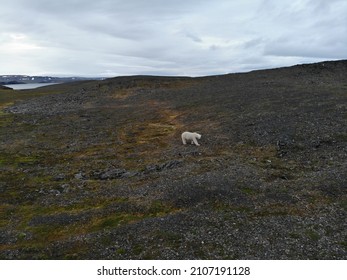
[[97, 170]]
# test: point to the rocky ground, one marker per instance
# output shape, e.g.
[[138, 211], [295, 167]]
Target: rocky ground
[[97, 170]]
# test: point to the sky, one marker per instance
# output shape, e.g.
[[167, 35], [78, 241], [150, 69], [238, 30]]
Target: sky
[[106, 38]]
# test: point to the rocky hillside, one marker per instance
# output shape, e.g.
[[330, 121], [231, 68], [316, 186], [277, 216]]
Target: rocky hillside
[[97, 170]]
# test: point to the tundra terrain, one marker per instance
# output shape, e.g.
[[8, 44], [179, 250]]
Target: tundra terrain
[[97, 169]]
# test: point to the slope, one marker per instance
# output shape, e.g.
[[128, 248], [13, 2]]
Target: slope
[[96, 169]]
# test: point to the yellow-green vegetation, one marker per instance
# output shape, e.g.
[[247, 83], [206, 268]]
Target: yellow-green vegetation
[[97, 169], [36, 226], [27, 160]]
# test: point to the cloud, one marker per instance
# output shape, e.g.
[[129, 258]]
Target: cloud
[[114, 37], [310, 29]]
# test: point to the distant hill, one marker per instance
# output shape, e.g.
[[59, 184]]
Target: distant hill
[[97, 169], [22, 79]]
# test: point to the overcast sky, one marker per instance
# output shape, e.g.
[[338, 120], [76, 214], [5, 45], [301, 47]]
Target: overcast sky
[[161, 37]]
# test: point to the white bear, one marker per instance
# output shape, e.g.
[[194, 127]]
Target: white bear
[[190, 136]]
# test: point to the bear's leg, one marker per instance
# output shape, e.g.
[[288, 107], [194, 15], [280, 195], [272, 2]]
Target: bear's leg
[[196, 142], [184, 141]]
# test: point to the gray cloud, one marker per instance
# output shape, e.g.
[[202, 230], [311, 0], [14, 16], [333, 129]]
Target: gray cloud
[[107, 37], [312, 29]]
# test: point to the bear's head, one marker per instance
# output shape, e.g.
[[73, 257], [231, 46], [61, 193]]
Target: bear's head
[[198, 135]]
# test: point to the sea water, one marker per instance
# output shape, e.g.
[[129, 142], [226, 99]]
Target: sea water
[[29, 86]]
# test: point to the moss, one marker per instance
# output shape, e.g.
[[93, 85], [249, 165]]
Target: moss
[[227, 207], [312, 234], [43, 234], [278, 210], [341, 137], [21, 235], [248, 191], [343, 204], [5, 118], [159, 208], [121, 251], [16, 160], [138, 249], [294, 235], [6, 211], [344, 244], [155, 209], [114, 220]]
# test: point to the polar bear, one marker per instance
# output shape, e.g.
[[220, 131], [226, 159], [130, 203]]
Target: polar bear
[[190, 136]]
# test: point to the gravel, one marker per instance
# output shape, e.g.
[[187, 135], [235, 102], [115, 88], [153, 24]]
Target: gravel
[[99, 172]]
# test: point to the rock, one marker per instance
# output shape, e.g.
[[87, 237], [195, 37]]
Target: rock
[[164, 166], [79, 176], [109, 174], [59, 177]]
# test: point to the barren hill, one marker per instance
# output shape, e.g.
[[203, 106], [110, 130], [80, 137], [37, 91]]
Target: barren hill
[[97, 170]]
